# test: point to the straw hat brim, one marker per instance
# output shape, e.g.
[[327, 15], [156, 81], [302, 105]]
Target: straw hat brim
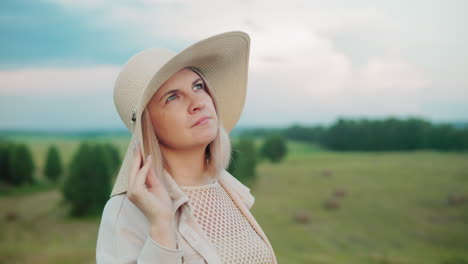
[[223, 60]]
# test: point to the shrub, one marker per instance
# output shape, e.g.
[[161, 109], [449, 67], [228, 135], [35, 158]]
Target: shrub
[[245, 161], [53, 167], [5, 154], [274, 148], [88, 184], [115, 159], [21, 165], [234, 156]]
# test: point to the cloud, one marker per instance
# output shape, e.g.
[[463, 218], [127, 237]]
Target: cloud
[[52, 81], [59, 98], [394, 73], [318, 91], [310, 60], [391, 86]]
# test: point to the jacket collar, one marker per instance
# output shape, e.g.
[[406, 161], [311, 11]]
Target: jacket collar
[[240, 195], [179, 197]]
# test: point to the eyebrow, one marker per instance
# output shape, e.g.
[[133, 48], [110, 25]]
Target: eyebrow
[[176, 90]]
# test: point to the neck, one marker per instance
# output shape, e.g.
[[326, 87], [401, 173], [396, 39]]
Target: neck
[[187, 166]]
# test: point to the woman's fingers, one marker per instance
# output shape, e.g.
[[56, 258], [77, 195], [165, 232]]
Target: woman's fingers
[[151, 180], [136, 165], [141, 175]]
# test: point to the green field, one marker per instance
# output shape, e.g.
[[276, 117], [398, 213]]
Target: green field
[[395, 209]]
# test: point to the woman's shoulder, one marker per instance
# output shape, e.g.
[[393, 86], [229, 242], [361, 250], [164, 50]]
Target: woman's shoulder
[[123, 236], [120, 210], [114, 205]]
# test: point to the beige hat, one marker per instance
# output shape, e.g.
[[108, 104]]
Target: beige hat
[[222, 60]]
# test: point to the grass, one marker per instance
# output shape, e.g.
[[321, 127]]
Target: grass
[[395, 210]]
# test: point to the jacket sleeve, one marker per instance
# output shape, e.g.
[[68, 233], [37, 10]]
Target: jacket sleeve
[[123, 237]]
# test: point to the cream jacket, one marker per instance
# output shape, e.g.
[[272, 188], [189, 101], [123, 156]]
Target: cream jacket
[[124, 230]]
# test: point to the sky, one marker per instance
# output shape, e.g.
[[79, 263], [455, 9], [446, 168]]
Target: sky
[[311, 62]]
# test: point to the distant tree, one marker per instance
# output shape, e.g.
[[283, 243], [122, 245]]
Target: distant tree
[[102, 183], [21, 165], [274, 148], [391, 133], [114, 154], [234, 156], [245, 161], [297, 132], [88, 184], [53, 167], [5, 154]]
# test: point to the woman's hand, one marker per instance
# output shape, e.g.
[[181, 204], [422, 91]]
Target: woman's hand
[[148, 193]]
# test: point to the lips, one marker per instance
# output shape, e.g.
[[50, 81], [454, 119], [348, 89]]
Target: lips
[[201, 120]]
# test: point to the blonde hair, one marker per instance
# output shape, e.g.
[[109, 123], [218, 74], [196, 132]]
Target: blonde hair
[[217, 153]]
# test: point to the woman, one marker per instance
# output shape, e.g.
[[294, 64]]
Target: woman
[[173, 200]]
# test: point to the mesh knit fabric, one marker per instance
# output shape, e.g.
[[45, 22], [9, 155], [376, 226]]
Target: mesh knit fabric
[[234, 238]]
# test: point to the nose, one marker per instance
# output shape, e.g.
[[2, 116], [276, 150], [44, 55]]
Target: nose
[[197, 103]]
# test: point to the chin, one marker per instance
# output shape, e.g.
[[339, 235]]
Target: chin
[[210, 136], [206, 136]]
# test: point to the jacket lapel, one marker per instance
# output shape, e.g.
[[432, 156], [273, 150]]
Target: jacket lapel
[[243, 191], [192, 232], [187, 226], [196, 237]]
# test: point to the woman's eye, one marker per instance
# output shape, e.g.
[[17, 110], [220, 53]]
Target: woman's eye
[[170, 97], [200, 84]]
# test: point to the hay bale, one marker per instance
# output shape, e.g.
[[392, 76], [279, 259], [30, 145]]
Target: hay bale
[[302, 217], [11, 216], [331, 204], [339, 193], [326, 173], [456, 199]]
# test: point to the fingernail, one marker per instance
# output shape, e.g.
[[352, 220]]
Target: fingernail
[[149, 157]]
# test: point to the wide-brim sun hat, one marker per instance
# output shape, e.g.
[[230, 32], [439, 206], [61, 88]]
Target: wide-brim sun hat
[[221, 59]]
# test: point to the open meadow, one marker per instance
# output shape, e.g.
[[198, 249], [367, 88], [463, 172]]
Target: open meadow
[[316, 207]]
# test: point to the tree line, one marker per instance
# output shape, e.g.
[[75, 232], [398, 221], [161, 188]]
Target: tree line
[[86, 182], [376, 135]]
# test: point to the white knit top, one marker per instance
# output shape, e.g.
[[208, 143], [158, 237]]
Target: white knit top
[[234, 238]]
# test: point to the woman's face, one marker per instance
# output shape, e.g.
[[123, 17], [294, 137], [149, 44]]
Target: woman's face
[[175, 108]]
